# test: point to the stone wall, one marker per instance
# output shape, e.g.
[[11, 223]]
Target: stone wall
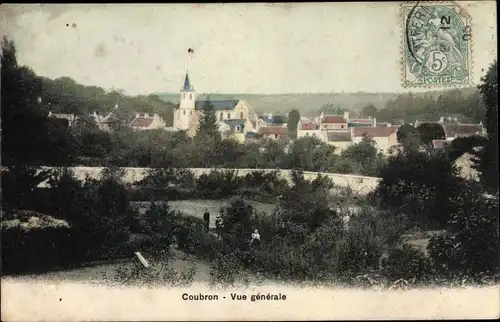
[[359, 184]]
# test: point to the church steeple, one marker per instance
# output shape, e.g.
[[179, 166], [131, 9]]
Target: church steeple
[[187, 85]]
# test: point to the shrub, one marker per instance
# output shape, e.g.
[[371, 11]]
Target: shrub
[[421, 184], [217, 184], [164, 183], [225, 269], [34, 242], [473, 246]]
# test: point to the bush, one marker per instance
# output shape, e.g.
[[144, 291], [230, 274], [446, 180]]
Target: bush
[[473, 246], [165, 183], [420, 184], [217, 184], [34, 242], [225, 269]]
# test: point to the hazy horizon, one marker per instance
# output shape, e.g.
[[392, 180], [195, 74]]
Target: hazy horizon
[[260, 49]]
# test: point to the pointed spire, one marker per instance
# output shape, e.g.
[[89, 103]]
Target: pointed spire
[[187, 84]]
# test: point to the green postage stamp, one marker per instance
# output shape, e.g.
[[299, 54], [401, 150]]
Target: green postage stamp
[[437, 44]]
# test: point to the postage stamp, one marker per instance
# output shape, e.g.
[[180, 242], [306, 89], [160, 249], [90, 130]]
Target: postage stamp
[[437, 46]]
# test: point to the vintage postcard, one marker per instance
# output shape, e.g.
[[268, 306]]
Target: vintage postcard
[[249, 161]]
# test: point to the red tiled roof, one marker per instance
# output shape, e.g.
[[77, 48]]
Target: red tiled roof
[[374, 131], [272, 130], [333, 119], [141, 122], [309, 126], [454, 130], [439, 144], [368, 121]]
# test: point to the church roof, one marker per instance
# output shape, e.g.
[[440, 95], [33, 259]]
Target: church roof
[[218, 105], [187, 85]]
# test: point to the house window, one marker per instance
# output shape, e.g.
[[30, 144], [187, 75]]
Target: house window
[[221, 116], [190, 112], [341, 126], [190, 96], [184, 112], [237, 128], [241, 115], [229, 115], [276, 136]]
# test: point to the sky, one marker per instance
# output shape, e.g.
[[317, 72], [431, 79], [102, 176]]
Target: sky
[[238, 48]]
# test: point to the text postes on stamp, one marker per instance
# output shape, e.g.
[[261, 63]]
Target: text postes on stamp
[[436, 45]]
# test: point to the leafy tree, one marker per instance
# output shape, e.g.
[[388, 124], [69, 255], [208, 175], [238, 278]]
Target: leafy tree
[[421, 184], [364, 157], [488, 162], [430, 131], [369, 110], [293, 121], [207, 127], [28, 136], [301, 153], [406, 132]]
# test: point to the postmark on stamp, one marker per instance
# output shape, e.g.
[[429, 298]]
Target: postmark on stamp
[[437, 47]]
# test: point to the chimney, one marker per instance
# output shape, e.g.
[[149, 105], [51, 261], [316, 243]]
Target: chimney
[[270, 116], [50, 113], [374, 122], [441, 120], [346, 115], [321, 117], [146, 115], [316, 120], [137, 114]]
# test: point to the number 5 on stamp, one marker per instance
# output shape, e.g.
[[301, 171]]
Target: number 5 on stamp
[[437, 47]]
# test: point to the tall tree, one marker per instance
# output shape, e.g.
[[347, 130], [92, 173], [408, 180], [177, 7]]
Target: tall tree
[[28, 135], [207, 126], [369, 110], [292, 123], [488, 162], [430, 131]]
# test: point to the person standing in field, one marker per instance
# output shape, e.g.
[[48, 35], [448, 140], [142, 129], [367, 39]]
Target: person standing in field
[[206, 218], [218, 226], [255, 238]]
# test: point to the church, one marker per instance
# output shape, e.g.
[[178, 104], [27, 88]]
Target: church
[[233, 116]]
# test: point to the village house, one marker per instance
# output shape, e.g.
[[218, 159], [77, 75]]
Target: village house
[[453, 131], [235, 128], [146, 121], [273, 132], [186, 116], [439, 144], [362, 122], [106, 123], [71, 118], [340, 140], [334, 122], [384, 137], [308, 128], [269, 120], [252, 137]]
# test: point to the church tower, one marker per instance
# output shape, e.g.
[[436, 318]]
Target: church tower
[[186, 108]]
